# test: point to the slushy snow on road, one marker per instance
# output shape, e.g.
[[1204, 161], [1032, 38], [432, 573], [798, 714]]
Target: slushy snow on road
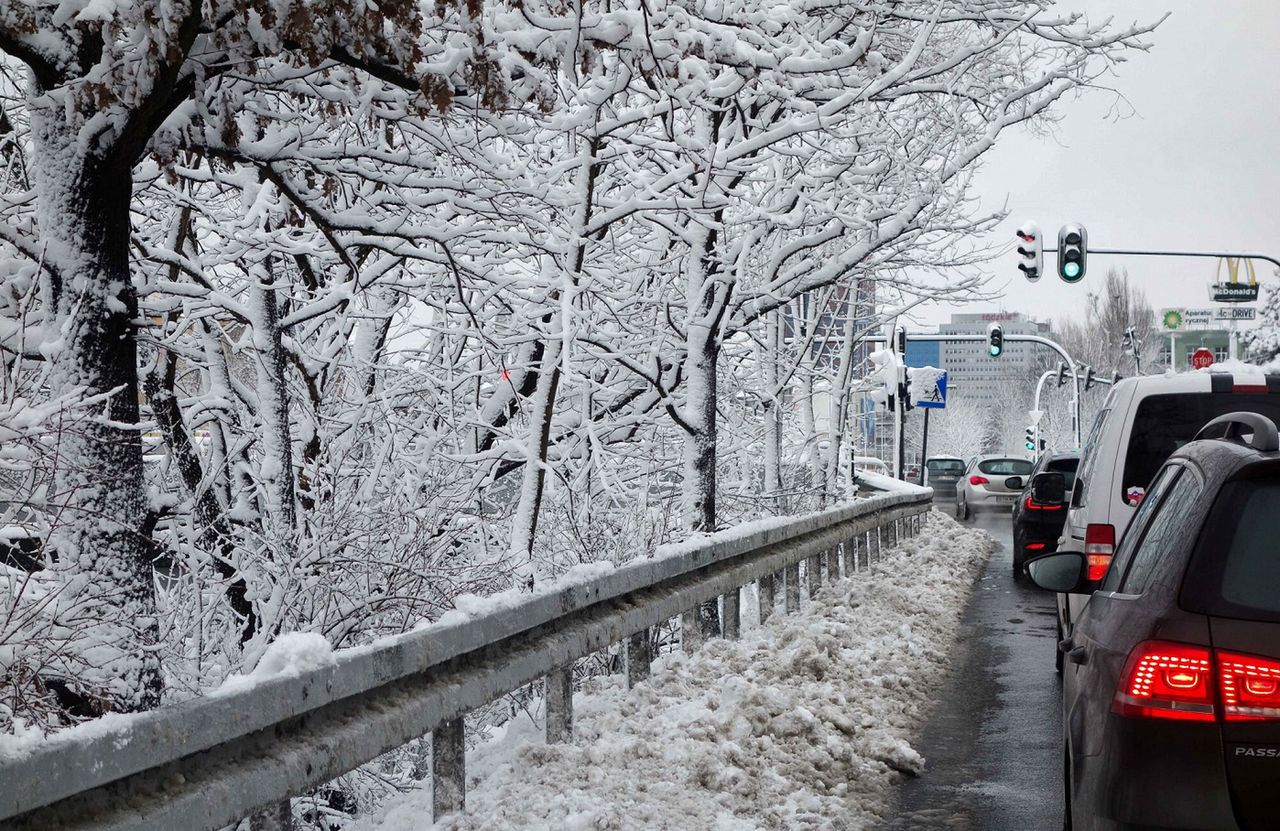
[[807, 722]]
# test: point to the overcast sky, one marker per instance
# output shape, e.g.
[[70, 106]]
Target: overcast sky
[[1192, 164]]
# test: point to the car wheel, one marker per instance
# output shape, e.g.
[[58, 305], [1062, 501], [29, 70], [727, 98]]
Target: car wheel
[[967, 513], [958, 516], [1018, 561]]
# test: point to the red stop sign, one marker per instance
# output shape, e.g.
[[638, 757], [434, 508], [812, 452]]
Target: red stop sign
[[1202, 358]]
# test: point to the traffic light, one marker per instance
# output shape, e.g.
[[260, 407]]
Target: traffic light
[[1031, 438], [900, 339], [1115, 377], [886, 372], [995, 340], [1030, 251], [1126, 345], [1062, 373], [1073, 250], [1088, 377]]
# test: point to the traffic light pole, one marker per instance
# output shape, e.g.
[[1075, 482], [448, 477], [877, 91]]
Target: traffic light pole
[[1215, 255]]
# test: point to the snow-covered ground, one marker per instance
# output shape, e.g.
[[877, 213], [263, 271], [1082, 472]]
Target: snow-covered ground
[[807, 722]]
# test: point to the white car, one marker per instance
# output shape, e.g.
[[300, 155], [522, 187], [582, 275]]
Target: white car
[[1142, 422], [985, 484]]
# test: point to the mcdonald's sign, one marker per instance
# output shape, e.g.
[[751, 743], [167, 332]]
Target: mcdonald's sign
[[1234, 291]]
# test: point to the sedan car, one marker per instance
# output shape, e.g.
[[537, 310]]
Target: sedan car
[[984, 487], [1171, 685], [1041, 508]]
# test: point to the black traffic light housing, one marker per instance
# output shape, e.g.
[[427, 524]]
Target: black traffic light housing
[[1062, 373], [1030, 250], [1031, 438], [1088, 377], [995, 340], [1073, 252]]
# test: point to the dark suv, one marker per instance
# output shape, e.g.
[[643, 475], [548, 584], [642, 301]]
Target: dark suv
[[1041, 509], [1171, 687]]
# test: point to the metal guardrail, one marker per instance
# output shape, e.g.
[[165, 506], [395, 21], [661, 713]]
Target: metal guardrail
[[208, 762]]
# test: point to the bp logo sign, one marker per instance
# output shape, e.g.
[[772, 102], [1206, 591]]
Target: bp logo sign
[[1172, 319]]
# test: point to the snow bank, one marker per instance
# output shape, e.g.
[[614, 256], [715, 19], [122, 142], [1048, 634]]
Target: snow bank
[[887, 483], [806, 722], [288, 656]]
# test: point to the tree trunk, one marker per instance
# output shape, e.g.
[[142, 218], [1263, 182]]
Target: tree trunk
[[273, 407], [542, 410], [108, 601]]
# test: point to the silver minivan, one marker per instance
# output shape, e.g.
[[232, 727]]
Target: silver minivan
[[1142, 422]]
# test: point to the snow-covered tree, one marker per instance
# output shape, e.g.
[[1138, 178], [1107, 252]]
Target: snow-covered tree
[[1262, 344]]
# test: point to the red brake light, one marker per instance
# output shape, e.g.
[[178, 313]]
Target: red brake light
[[1167, 680], [1250, 687], [1099, 545], [978, 480], [1033, 505], [1035, 546]]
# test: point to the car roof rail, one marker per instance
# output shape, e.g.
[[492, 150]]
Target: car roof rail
[[1262, 432]]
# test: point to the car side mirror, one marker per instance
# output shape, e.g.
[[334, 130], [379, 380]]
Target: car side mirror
[[1062, 571], [1049, 488], [1013, 483]]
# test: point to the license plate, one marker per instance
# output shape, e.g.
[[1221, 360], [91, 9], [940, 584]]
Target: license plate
[[1009, 499]]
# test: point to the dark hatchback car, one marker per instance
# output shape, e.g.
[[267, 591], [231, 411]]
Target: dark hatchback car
[[1171, 687], [941, 473], [1041, 510]]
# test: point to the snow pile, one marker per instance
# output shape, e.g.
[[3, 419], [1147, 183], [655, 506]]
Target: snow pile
[[806, 722], [888, 484]]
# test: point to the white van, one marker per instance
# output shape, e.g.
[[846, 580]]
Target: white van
[[1142, 422]]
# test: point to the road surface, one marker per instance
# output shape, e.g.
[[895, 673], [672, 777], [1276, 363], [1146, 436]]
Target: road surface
[[993, 745]]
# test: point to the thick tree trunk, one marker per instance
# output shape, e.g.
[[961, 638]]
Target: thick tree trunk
[[769, 357], [108, 602], [273, 408]]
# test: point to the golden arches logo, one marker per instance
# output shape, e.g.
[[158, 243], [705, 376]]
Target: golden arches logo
[[1233, 270]]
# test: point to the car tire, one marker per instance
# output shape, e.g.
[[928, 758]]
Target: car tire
[[1019, 563], [967, 513], [958, 515]]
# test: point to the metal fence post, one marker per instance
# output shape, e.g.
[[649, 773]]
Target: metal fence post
[[792, 573], [448, 769], [278, 817], [813, 574], [731, 620], [873, 549], [832, 559], [638, 653], [691, 630], [709, 618], [559, 698], [765, 588]]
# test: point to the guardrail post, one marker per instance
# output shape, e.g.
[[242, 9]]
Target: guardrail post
[[691, 630], [832, 558], [448, 769], [637, 654], [731, 618], [873, 545], [813, 571], [278, 817], [765, 586], [559, 698], [792, 573]]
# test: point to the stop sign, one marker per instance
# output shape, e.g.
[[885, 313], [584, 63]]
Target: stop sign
[[1202, 358]]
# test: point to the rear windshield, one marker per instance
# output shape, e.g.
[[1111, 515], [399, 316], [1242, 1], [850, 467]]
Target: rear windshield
[[1067, 467], [1163, 423], [1005, 467], [1236, 572], [945, 466]]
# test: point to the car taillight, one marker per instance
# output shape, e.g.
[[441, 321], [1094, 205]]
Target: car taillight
[[1099, 545], [1250, 687], [978, 480], [1033, 505], [1035, 546], [1166, 680]]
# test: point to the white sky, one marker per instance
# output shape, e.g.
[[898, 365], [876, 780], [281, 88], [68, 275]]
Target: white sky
[[1194, 165]]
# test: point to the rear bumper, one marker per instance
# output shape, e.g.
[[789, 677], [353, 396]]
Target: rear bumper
[[982, 501], [1154, 775]]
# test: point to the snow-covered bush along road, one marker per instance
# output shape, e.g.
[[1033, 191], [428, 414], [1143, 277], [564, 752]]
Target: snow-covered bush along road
[[804, 723]]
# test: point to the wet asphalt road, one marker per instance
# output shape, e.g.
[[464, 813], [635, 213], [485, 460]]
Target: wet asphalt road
[[993, 746]]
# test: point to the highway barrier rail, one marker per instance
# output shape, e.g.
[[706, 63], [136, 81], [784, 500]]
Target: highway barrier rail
[[211, 761]]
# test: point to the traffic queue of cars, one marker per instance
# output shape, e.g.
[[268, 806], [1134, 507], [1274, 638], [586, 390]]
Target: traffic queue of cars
[[1168, 581]]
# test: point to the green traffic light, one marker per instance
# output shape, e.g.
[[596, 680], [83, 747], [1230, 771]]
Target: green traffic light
[[1030, 446], [1071, 270], [995, 351]]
